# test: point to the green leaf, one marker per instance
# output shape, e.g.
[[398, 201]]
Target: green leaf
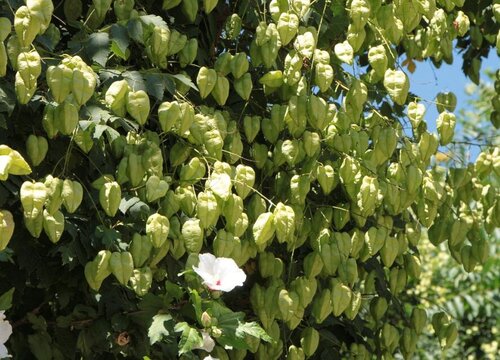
[[196, 300], [252, 329], [153, 20], [173, 291], [190, 337], [7, 97], [97, 48], [6, 299], [135, 80], [184, 79], [112, 134], [119, 41], [99, 129], [155, 85], [40, 346], [157, 330], [135, 30]]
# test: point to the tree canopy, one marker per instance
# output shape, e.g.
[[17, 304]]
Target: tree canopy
[[235, 179]]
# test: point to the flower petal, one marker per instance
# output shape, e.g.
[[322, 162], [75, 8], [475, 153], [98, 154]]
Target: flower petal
[[5, 331], [207, 262], [3, 352]]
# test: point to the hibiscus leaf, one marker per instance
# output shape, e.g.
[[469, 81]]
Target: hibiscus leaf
[[190, 337], [6, 299], [158, 330], [252, 329], [227, 320], [196, 299]]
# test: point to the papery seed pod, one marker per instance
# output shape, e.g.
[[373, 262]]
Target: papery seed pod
[[288, 25], [330, 258], [233, 26], [244, 180], [156, 188], [169, 113], [59, 79], [6, 228], [416, 112], [72, 195], [341, 297], [192, 235], [66, 117], [141, 280], [110, 197], [5, 28], [170, 4], [29, 66], [98, 270], [243, 86], [3, 60], [36, 148], [418, 319], [284, 222], [389, 337], [53, 225], [26, 25], [157, 228], [140, 249], [186, 198], [121, 265], [49, 121], [190, 9], [225, 243], [207, 209], [446, 127], [206, 80], [251, 125], [138, 106], [305, 44], [389, 251], [309, 340], [312, 143], [123, 9], [116, 97], [263, 229], [397, 85], [295, 353], [239, 65], [102, 7], [33, 196], [209, 5], [83, 85], [24, 92], [232, 208], [269, 49], [326, 178], [188, 53], [377, 57], [378, 307], [446, 101], [344, 52], [176, 42], [323, 76], [220, 91]]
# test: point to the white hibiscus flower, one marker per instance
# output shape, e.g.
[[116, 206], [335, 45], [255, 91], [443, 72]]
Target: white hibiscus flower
[[208, 342], [219, 274], [5, 332], [210, 358]]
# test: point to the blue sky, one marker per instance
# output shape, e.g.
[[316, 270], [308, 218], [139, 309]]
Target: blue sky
[[427, 82]]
